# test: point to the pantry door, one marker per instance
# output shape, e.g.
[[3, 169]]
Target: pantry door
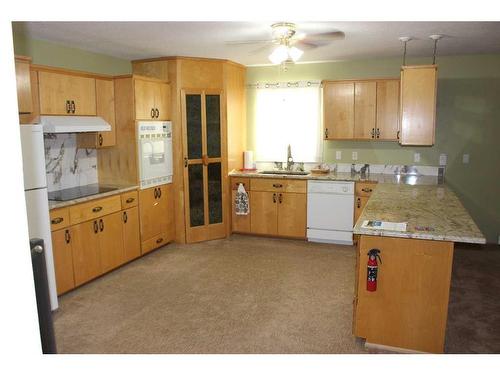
[[203, 123]]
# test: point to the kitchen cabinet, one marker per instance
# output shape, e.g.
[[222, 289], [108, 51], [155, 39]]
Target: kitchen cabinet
[[152, 100], [338, 110], [363, 191], [292, 214], [359, 206], [240, 223], [264, 212], [156, 217], [105, 108], [33, 116], [131, 234], [23, 82], [418, 105], [111, 250], [361, 110], [66, 94], [365, 101], [85, 246], [63, 260]]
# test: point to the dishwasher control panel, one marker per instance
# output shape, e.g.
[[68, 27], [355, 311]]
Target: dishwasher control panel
[[331, 187]]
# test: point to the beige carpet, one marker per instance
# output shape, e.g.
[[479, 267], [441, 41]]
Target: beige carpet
[[240, 295]]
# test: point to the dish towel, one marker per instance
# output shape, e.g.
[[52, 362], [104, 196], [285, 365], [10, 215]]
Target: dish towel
[[241, 202]]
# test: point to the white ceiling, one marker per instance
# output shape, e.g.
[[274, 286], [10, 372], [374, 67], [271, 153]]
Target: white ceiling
[[138, 40]]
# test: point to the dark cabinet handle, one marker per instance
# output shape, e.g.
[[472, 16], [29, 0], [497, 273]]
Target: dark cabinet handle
[[156, 193], [73, 106], [277, 185], [274, 197], [159, 240], [125, 218], [373, 132], [326, 133], [130, 200], [67, 236], [159, 192], [97, 209], [101, 225], [280, 198], [397, 135], [68, 106], [57, 220], [96, 229], [185, 162], [367, 190], [100, 139], [359, 202], [378, 133], [157, 113], [152, 113]]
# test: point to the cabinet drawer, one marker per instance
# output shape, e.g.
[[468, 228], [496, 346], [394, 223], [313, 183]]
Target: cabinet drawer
[[365, 189], [91, 210], [154, 243], [59, 218], [129, 199], [278, 185], [235, 181]]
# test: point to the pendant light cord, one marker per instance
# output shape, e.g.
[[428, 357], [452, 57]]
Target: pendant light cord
[[435, 49]]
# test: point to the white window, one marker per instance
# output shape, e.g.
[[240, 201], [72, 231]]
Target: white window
[[288, 114]]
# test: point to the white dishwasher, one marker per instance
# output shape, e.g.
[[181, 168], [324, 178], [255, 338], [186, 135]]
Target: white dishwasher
[[330, 211]]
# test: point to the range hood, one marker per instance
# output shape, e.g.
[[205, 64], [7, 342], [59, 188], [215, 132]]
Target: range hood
[[73, 124]]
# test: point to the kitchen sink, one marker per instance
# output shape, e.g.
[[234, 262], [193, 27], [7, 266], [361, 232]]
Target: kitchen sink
[[292, 173]]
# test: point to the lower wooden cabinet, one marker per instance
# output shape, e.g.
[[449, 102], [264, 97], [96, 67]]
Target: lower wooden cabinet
[[264, 212], [63, 260], [292, 214], [359, 206], [131, 235], [111, 251], [85, 246], [156, 207]]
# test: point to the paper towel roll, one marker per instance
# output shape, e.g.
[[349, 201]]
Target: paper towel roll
[[248, 159]]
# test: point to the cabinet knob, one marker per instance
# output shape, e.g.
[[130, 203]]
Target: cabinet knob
[[97, 209], [278, 185], [373, 132], [274, 197], [159, 240], [130, 200], [280, 198], [57, 220], [367, 190]]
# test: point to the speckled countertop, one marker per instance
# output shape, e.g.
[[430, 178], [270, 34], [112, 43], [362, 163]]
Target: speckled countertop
[[119, 189], [432, 213], [342, 176]]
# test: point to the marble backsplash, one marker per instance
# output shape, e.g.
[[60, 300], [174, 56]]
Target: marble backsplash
[[67, 165]]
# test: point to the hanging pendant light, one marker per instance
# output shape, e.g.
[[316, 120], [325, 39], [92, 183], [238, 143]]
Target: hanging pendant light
[[283, 53]]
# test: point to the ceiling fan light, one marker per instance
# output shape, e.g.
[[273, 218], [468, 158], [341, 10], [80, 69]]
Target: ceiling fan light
[[279, 55], [295, 53]]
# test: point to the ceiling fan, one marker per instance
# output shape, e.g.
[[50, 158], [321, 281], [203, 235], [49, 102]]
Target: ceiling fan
[[289, 43]]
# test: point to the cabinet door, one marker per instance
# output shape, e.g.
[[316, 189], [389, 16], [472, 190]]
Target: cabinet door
[[33, 117], [23, 81], [387, 109], [145, 92], [264, 212], [292, 214], [365, 99], [57, 89], [85, 245], [111, 242], [63, 260], [150, 211], [131, 235], [338, 107], [359, 205], [418, 105], [162, 101], [166, 210]]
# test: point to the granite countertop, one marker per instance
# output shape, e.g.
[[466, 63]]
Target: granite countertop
[[435, 209], [346, 176], [119, 189]]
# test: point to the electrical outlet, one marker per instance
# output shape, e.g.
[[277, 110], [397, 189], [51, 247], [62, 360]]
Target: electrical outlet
[[465, 158], [338, 155], [443, 159], [416, 157], [354, 155]]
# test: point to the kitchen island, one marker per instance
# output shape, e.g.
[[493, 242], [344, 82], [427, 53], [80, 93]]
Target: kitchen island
[[408, 311]]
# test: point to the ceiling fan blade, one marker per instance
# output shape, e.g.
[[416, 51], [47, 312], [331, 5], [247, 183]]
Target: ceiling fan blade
[[304, 45], [330, 35], [265, 47], [237, 42]]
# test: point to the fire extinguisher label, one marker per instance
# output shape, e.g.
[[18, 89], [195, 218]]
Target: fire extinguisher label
[[372, 273]]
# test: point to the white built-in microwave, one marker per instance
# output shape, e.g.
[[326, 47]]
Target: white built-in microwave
[[154, 153]]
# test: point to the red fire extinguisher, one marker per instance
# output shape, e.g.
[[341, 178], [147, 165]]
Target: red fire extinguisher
[[371, 274]]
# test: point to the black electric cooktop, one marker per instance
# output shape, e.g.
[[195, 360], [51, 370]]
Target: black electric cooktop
[[78, 192]]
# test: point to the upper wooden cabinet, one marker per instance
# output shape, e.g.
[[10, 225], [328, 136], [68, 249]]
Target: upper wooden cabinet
[[418, 105], [23, 80], [152, 100], [359, 110], [66, 94], [338, 107]]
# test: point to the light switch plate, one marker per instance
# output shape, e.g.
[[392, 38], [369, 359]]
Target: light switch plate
[[354, 155], [443, 159], [416, 157], [338, 155], [465, 158]]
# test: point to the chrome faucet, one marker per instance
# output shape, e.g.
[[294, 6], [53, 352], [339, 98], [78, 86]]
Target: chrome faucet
[[289, 159]]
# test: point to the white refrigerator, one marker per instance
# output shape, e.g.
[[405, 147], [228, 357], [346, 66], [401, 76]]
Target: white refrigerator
[[37, 203]]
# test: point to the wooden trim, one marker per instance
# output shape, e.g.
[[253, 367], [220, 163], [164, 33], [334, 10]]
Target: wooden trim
[[419, 66], [360, 80], [23, 58], [149, 79], [169, 58], [80, 73]]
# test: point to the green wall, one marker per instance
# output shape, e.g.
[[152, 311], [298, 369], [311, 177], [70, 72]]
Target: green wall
[[52, 54], [468, 121]]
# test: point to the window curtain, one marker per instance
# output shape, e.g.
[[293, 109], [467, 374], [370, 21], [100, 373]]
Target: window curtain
[[288, 114]]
